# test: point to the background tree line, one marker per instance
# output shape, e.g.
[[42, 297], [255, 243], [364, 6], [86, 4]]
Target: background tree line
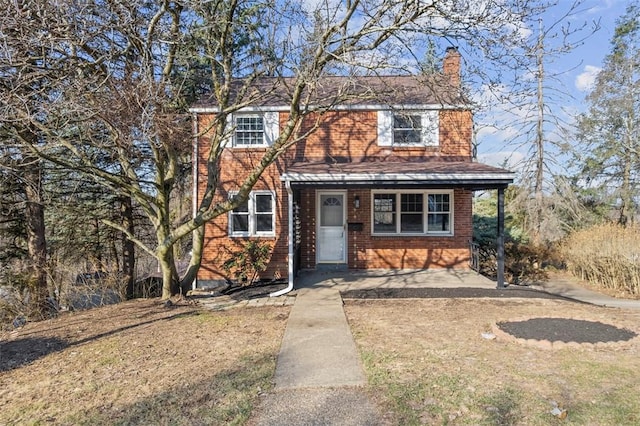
[[580, 180], [96, 152]]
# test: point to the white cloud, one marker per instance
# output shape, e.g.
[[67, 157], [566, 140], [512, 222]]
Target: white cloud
[[585, 80]]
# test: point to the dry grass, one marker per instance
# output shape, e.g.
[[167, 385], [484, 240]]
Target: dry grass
[[140, 363], [606, 255], [427, 363]]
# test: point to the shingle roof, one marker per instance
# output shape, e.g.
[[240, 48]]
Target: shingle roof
[[394, 90], [405, 173]]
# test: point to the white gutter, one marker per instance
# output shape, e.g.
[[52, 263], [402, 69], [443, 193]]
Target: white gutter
[[287, 184], [357, 107], [367, 177]]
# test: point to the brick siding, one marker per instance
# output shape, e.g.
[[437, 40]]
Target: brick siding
[[343, 136]]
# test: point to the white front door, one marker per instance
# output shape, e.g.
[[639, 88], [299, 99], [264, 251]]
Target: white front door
[[332, 237]]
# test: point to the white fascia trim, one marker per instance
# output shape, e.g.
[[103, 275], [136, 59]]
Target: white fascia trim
[[359, 177], [363, 107]]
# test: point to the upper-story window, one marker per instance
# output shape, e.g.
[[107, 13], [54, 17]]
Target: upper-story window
[[255, 129], [409, 128], [249, 130]]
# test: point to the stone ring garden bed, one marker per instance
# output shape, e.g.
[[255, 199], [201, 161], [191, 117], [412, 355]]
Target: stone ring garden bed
[[558, 333]]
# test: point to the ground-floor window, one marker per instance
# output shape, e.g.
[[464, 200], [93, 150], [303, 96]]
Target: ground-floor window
[[255, 217], [412, 212]]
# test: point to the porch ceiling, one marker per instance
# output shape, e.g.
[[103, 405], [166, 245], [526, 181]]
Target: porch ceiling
[[433, 174]]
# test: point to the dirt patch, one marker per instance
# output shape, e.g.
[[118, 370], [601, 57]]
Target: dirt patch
[[238, 292], [455, 292], [140, 362], [566, 330]]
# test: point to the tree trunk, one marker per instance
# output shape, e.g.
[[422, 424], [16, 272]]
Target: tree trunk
[[539, 178], [626, 192], [196, 258], [128, 246], [36, 241], [170, 279]]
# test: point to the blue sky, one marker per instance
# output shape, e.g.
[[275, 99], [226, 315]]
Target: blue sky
[[581, 66]]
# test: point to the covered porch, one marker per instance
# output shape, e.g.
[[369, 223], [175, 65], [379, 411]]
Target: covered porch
[[355, 185]]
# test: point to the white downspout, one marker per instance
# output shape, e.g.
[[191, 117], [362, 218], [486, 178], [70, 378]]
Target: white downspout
[[194, 177], [287, 184]]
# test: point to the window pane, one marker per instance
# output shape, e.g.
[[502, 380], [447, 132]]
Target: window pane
[[411, 222], [384, 222], [406, 137], [242, 208], [411, 203], [264, 203], [264, 223], [384, 216], [439, 213], [331, 213], [401, 121], [438, 202], [439, 222], [384, 202], [240, 223]]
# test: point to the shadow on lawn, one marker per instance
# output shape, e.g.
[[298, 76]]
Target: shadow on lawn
[[16, 353], [19, 352], [226, 397]]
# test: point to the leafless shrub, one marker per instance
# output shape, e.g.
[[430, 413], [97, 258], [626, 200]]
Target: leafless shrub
[[17, 305], [607, 255], [12, 307], [90, 287], [525, 263]]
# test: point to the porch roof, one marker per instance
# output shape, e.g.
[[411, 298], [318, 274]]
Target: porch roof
[[430, 173]]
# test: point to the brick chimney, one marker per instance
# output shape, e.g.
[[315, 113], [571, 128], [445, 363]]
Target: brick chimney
[[451, 65]]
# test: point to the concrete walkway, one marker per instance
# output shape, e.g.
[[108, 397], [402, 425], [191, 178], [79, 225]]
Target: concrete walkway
[[318, 348], [569, 289], [319, 377]]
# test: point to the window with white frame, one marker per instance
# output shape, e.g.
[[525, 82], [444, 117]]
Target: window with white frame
[[255, 217], [249, 130], [255, 129], [413, 212], [410, 128], [407, 129]]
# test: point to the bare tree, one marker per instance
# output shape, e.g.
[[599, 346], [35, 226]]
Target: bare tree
[[538, 122], [119, 76]]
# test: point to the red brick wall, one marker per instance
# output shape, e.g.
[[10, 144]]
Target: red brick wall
[[352, 136], [235, 166], [390, 252], [410, 252], [343, 136]]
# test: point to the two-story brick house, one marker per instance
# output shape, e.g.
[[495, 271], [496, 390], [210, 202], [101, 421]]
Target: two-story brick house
[[384, 180]]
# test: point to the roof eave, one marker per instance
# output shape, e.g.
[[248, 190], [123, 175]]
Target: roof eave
[[357, 107], [475, 180]]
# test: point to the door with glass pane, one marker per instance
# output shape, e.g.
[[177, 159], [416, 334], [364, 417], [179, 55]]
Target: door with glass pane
[[331, 228]]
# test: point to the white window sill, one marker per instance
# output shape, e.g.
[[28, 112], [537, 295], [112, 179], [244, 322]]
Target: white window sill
[[413, 234]]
